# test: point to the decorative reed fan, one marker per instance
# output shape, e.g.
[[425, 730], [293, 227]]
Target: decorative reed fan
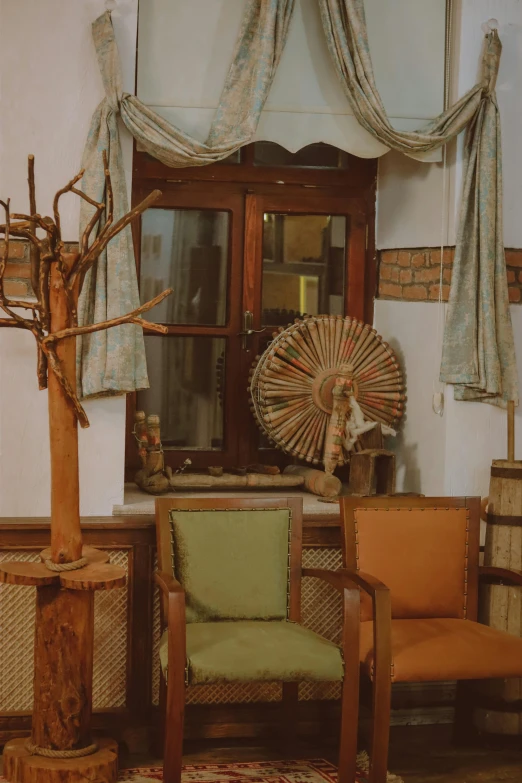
[[303, 384]]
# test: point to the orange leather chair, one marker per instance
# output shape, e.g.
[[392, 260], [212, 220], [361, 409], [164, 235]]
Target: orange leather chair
[[419, 560]]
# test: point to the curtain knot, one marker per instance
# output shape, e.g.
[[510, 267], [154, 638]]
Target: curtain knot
[[490, 63], [108, 59]]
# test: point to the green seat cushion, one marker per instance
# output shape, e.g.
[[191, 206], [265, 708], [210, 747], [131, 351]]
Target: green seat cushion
[[249, 651], [233, 564]]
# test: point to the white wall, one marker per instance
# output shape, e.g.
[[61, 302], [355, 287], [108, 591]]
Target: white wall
[[410, 328], [50, 87], [453, 454]]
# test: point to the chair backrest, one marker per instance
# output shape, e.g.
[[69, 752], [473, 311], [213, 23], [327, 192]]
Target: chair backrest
[[236, 558], [425, 550]]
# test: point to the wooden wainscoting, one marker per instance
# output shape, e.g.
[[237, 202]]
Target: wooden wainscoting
[[126, 638]]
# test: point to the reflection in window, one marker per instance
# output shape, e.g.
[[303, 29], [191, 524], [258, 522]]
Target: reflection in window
[[186, 390], [303, 266], [187, 250]]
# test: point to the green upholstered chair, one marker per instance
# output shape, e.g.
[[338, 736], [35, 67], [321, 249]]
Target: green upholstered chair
[[230, 577]]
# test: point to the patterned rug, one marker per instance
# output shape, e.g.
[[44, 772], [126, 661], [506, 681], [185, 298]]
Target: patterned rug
[[312, 771]]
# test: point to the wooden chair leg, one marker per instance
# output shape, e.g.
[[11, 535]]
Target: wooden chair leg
[[289, 719], [158, 743], [351, 680], [381, 709], [174, 717], [348, 732], [464, 732]]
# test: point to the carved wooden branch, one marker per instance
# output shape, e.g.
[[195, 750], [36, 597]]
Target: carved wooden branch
[[71, 269], [131, 317], [10, 322], [104, 237]]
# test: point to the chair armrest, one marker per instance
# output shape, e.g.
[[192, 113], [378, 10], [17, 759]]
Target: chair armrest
[[345, 578], [167, 584], [174, 614], [494, 575]]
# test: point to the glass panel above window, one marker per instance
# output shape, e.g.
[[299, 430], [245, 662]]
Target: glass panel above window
[[303, 266], [233, 159], [187, 250], [186, 390], [317, 156]]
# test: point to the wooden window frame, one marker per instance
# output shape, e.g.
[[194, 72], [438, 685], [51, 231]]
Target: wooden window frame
[[245, 188]]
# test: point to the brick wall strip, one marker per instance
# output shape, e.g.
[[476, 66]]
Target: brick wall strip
[[413, 274], [17, 277], [410, 275]]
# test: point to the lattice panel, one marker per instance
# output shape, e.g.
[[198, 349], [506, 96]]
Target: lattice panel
[[110, 642], [234, 693], [321, 604], [321, 612], [156, 636], [17, 635], [319, 691], [17, 608]]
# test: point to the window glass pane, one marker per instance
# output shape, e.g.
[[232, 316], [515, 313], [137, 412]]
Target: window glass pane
[[318, 156], [186, 390], [187, 250], [232, 159], [303, 266]]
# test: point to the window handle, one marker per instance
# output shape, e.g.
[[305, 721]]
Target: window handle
[[248, 321]]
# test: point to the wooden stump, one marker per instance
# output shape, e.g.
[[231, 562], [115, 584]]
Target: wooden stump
[[501, 605], [21, 767], [372, 472], [63, 668], [64, 631]]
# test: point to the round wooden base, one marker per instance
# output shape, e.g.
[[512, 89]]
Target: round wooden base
[[21, 767]]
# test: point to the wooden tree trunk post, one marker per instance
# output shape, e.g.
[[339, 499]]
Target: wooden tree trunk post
[[64, 622], [66, 536], [63, 668], [61, 749]]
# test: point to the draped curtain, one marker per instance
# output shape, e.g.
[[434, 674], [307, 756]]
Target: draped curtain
[[478, 350], [478, 354], [113, 362]]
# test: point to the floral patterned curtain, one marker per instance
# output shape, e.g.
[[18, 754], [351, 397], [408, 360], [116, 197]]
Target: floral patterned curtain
[[113, 362], [478, 351]]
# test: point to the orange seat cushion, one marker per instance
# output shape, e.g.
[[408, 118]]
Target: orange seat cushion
[[445, 649]]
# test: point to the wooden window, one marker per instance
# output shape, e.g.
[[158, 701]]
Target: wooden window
[[249, 243]]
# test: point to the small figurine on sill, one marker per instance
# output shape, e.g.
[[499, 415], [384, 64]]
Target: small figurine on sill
[[153, 477]]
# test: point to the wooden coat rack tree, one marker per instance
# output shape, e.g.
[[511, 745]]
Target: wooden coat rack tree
[[61, 748]]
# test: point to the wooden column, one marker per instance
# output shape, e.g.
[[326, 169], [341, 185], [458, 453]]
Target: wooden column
[[61, 750], [499, 709], [66, 537], [63, 668], [64, 600]]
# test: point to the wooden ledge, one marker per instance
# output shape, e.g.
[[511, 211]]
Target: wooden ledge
[[95, 576], [98, 574], [31, 574]]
